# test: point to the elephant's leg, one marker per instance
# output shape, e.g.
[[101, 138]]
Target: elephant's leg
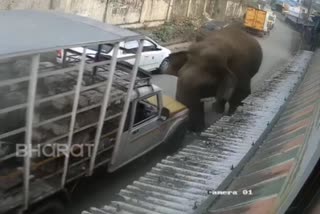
[[196, 117], [236, 99], [191, 98], [219, 106]]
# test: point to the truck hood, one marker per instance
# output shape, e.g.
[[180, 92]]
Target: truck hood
[[169, 103], [172, 105]]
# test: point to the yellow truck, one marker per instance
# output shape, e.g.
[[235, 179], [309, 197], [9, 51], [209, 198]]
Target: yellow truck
[[259, 20]]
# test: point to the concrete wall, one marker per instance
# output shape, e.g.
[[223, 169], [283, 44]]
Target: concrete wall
[[197, 8], [93, 8], [233, 9], [179, 8], [21, 4], [133, 13], [124, 12]]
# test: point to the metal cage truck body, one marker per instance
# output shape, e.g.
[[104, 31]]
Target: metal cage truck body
[[59, 122]]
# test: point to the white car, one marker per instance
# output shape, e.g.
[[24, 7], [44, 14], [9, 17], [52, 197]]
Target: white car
[[154, 57]]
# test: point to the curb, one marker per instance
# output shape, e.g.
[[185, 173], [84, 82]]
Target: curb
[[178, 47]]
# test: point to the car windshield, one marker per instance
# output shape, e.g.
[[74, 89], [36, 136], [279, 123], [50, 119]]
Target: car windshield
[[105, 48], [134, 44]]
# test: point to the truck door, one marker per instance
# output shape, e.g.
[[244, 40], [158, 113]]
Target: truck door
[[145, 126], [255, 19], [143, 133], [152, 55], [129, 49]]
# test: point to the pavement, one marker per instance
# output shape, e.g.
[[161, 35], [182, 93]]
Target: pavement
[[102, 188]]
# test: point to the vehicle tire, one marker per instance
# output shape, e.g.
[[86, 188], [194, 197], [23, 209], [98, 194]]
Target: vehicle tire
[[163, 66], [53, 206], [261, 34], [174, 142]]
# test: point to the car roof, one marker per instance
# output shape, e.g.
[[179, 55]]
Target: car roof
[[28, 32]]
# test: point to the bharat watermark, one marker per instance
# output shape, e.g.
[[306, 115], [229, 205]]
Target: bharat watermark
[[54, 150]]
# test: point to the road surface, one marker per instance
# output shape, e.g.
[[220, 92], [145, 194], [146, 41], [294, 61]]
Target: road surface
[[103, 187]]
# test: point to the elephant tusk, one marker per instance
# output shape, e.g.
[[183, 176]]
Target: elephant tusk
[[208, 99]]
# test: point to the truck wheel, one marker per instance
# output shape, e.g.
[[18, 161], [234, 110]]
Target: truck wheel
[[54, 206], [164, 66], [174, 142], [261, 34]]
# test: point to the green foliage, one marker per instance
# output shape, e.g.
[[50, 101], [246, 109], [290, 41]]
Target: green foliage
[[177, 29], [165, 33]]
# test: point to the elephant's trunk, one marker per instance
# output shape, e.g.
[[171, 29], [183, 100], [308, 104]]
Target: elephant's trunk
[[176, 62], [196, 108]]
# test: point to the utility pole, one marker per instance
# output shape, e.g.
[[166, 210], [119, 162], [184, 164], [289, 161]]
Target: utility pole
[[305, 20], [309, 9]]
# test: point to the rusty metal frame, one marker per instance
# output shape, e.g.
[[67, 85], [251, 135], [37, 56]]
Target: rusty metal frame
[[29, 126], [127, 102], [104, 106], [73, 116]]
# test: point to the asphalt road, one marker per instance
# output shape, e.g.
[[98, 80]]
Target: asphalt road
[[103, 187]]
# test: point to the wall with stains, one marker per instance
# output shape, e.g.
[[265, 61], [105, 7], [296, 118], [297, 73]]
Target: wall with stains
[[233, 9], [197, 8], [179, 8], [156, 10], [124, 11], [133, 13], [92, 8], [25, 4]]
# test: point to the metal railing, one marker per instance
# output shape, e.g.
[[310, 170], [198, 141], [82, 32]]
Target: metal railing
[[117, 82]]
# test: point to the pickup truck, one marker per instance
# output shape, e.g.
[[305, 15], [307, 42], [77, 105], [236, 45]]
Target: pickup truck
[[59, 122]]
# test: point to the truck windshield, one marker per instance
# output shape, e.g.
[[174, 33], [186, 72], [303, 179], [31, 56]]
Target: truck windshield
[[146, 109]]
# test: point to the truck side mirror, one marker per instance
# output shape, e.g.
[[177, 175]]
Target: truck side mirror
[[165, 114]]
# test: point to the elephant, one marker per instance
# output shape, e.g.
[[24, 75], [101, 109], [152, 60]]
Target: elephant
[[220, 65]]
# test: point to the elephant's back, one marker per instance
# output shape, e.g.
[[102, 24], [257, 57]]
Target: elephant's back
[[235, 37], [242, 50], [245, 50]]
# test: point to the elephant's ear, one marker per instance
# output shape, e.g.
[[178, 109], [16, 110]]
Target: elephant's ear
[[176, 61], [227, 86], [200, 36]]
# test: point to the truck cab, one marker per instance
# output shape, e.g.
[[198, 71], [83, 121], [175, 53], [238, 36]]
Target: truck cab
[[259, 19], [151, 119]]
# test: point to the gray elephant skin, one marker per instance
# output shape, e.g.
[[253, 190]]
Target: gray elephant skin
[[221, 65]]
